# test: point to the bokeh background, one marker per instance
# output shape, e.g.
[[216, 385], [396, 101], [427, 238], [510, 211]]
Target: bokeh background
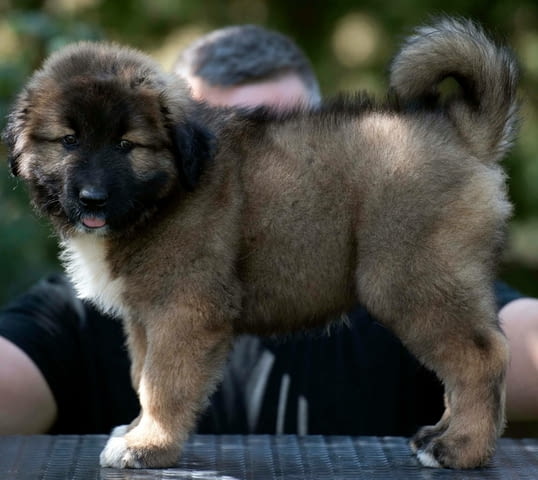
[[349, 42]]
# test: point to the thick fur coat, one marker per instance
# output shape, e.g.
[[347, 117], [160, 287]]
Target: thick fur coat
[[194, 224]]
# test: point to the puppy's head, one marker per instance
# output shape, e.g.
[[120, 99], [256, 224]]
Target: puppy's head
[[101, 137]]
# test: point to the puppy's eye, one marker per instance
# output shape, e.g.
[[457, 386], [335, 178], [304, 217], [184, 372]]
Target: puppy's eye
[[70, 141], [125, 145]]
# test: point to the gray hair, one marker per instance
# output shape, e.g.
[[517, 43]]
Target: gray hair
[[246, 53]]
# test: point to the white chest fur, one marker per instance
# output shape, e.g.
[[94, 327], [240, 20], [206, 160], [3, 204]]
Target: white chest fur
[[84, 258]]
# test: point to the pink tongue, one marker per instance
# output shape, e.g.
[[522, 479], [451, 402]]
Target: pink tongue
[[93, 222]]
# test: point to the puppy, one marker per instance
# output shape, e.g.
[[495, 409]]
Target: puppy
[[195, 224]]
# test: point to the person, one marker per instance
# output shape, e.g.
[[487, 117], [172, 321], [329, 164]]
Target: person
[[64, 367]]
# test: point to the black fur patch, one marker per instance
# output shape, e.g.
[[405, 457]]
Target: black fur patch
[[193, 148], [481, 341]]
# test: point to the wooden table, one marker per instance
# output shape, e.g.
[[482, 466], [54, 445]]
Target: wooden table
[[259, 457]]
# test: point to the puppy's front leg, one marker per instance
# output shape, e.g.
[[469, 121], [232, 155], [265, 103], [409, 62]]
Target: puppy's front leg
[[136, 343], [182, 363]]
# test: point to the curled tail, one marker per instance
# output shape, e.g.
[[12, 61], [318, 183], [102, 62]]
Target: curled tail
[[485, 110]]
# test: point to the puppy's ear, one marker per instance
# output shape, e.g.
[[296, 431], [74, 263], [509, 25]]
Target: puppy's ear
[[194, 147], [13, 132]]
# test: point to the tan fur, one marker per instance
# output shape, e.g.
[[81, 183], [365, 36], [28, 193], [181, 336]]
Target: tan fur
[[294, 220]]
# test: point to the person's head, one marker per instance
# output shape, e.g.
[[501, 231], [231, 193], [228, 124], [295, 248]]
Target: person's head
[[248, 65]]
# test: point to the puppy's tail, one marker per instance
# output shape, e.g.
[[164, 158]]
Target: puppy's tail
[[485, 109]]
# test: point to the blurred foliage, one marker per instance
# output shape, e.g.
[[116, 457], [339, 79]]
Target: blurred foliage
[[350, 44]]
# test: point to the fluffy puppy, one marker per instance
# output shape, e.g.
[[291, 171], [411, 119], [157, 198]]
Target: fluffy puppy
[[195, 224]]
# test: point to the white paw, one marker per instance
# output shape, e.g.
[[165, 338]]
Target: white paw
[[117, 455], [428, 460], [119, 431]]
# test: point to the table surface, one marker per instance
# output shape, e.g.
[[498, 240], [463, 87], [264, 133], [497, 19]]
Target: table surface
[[259, 457]]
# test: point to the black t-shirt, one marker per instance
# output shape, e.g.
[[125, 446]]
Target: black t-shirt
[[355, 378]]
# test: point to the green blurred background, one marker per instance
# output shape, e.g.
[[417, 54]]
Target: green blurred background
[[350, 44]]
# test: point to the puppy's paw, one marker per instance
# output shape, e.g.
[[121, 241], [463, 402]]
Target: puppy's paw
[[435, 453], [136, 450], [119, 431], [116, 454], [427, 459], [424, 437], [452, 451]]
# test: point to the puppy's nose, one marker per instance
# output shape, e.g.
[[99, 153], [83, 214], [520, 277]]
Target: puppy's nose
[[93, 197]]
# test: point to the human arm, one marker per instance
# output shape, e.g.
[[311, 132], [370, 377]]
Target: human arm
[[26, 401], [63, 365], [519, 319]]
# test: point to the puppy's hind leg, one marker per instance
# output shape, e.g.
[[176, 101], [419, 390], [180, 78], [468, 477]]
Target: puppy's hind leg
[[470, 355], [454, 331], [474, 385]]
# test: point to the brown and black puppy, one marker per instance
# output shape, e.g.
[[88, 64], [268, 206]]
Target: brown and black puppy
[[194, 224]]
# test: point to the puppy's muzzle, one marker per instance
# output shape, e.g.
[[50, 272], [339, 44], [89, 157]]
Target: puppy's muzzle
[[93, 200]]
